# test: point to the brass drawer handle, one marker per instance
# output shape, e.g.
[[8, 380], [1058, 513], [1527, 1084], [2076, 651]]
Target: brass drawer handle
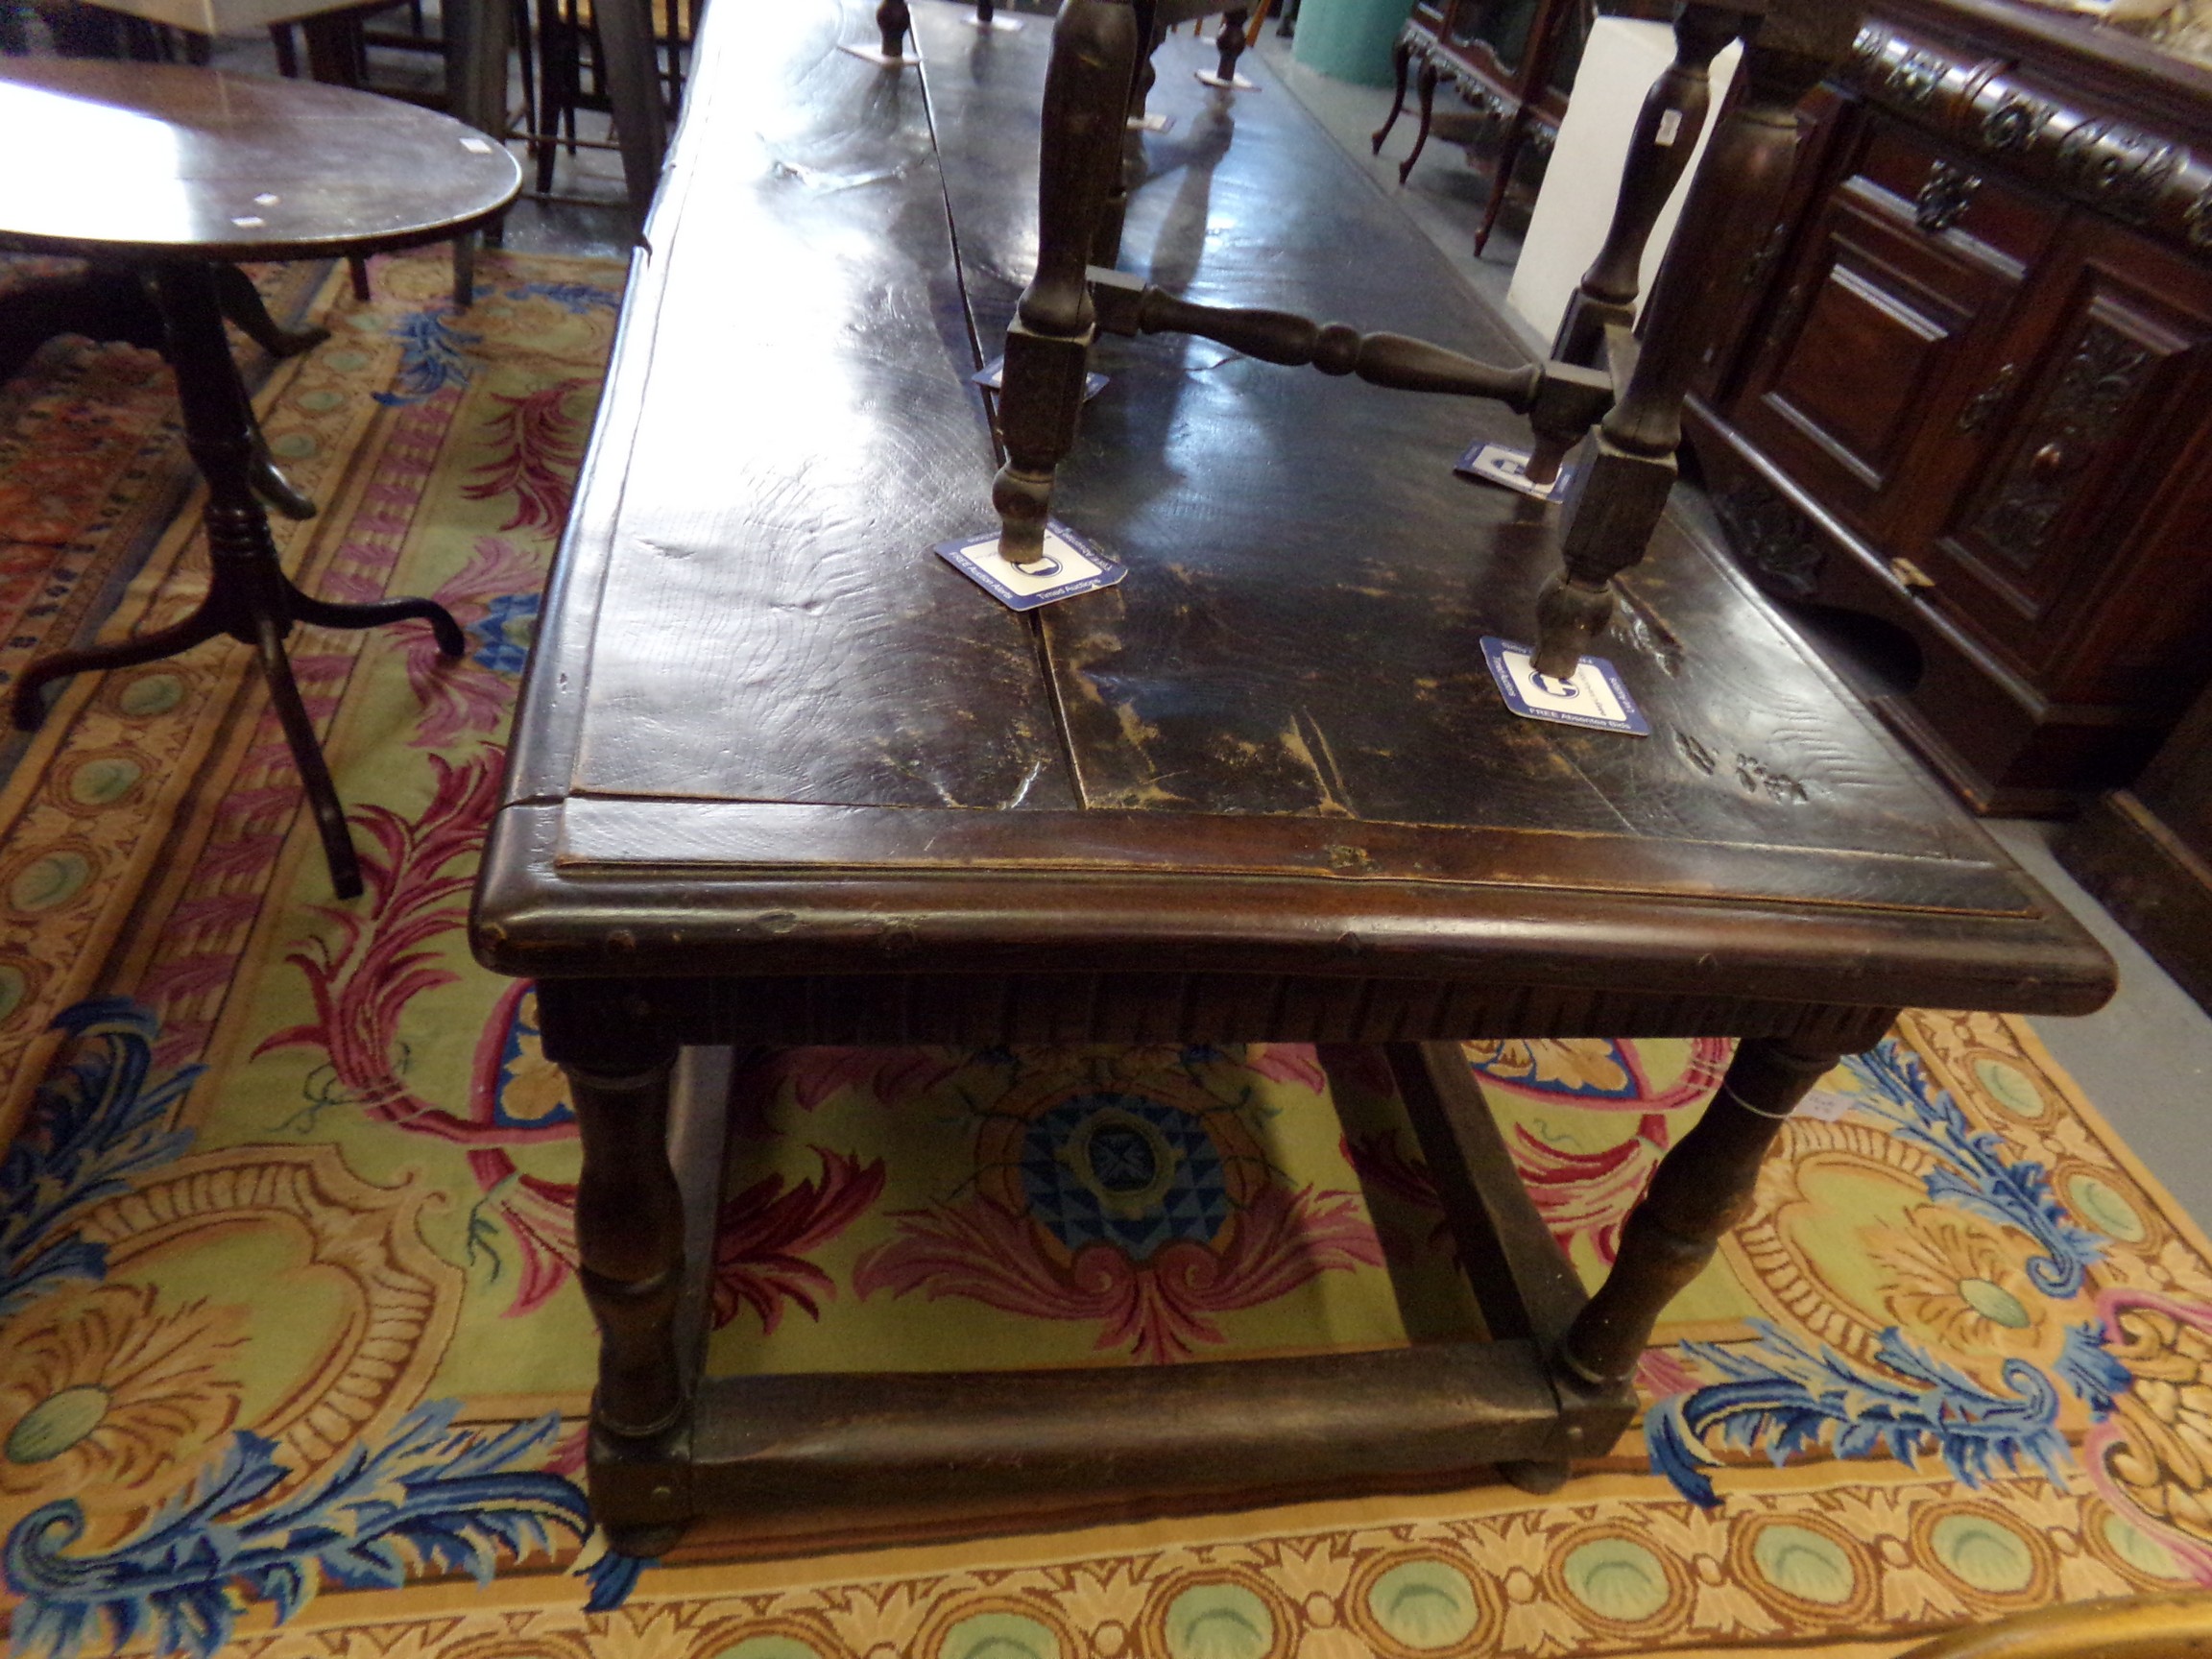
[[1910, 576], [1976, 414], [2049, 462]]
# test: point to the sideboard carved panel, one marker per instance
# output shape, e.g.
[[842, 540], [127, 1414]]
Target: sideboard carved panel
[[2020, 205]]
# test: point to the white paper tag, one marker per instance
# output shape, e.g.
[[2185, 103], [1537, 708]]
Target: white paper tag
[[1595, 697], [1070, 566], [1151, 123], [477, 146], [1670, 127], [874, 55], [1495, 463], [992, 377], [1004, 25], [1234, 83]]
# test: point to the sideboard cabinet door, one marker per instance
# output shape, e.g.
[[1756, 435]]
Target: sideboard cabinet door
[[2061, 520], [1903, 285]]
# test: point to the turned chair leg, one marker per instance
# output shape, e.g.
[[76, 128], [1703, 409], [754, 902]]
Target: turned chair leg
[[1229, 44], [1086, 89], [1626, 467], [1666, 131], [892, 21]]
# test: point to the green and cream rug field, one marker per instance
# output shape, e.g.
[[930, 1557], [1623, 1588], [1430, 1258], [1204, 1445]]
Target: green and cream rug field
[[293, 1361]]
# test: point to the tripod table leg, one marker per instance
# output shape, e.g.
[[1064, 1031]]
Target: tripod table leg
[[308, 754]]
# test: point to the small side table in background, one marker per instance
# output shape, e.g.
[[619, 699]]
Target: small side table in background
[[184, 171]]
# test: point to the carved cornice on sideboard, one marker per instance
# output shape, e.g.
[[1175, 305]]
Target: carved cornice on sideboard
[[1986, 103]]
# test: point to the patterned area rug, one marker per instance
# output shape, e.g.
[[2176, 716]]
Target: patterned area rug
[[294, 1362]]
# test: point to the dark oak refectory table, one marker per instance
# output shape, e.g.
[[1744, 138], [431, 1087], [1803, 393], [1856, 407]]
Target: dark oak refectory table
[[783, 776]]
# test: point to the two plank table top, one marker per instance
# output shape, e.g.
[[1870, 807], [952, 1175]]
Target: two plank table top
[[782, 776]]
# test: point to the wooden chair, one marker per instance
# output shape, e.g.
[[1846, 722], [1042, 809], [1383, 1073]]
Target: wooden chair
[[1615, 400], [1514, 60], [573, 75]]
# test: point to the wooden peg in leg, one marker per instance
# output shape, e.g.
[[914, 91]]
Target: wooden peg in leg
[[1087, 90]]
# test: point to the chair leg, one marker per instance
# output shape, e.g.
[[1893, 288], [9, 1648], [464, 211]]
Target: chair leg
[[1428, 96], [1229, 43], [357, 268], [1508, 158], [518, 20], [892, 21], [1400, 69], [464, 270]]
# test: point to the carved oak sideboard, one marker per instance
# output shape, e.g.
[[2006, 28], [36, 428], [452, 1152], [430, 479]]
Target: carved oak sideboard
[[1968, 394]]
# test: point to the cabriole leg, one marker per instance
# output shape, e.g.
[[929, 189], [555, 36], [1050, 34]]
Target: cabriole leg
[[1425, 88], [1400, 69]]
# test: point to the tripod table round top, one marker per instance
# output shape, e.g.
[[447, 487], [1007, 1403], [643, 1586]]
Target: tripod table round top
[[154, 160]]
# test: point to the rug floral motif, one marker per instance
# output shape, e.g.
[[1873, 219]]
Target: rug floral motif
[[292, 1360]]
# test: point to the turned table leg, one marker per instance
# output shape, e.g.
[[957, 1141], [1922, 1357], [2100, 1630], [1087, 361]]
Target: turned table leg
[[1700, 1190], [630, 1242]]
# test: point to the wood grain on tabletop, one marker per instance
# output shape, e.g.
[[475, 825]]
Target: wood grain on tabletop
[[754, 666]]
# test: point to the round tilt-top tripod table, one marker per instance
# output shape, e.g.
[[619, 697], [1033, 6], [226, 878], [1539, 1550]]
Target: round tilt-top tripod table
[[182, 172]]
